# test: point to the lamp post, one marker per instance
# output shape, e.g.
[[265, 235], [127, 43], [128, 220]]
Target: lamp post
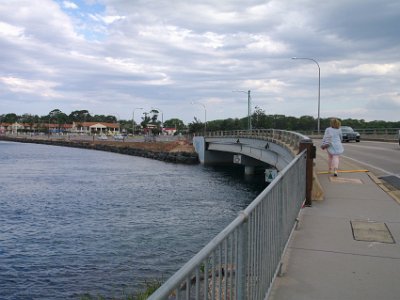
[[205, 116], [133, 120], [51, 114], [319, 87], [119, 125], [48, 132], [249, 127], [84, 121]]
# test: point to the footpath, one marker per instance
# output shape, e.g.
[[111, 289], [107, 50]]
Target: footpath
[[347, 246]]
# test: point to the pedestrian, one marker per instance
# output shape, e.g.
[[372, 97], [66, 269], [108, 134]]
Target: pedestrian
[[332, 142]]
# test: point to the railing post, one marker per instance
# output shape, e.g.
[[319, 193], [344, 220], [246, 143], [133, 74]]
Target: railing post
[[242, 259], [311, 151]]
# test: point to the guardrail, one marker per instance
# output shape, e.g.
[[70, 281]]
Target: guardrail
[[290, 138], [242, 261], [385, 134], [377, 134]]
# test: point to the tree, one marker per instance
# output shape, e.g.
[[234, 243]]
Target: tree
[[154, 116], [227, 124], [259, 119], [32, 120], [10, 118], [196, 126], [103, 118], [111, 119], [291, 123], [174, 123], [151, 117], [79, 116], [27, 118], [146, 119], [54, 114], [307, 123]]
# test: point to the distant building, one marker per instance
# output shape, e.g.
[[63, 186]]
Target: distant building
[[169, 131], [95, 128], [58, 128], [76, 127]]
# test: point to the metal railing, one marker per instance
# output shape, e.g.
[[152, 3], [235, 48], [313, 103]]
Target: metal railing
[[379, 133], [290, 138], [244, 258]]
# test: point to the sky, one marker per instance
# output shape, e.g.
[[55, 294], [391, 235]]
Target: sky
[[197, 59]]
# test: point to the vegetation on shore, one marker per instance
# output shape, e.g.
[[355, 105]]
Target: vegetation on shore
[[149, 288], [259, 120]]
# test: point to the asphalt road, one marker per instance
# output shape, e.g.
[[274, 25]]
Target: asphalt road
[[381, 158]]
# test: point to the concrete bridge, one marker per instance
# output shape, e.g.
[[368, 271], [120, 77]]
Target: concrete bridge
[[253, 149], [242, 260], [246, 259]]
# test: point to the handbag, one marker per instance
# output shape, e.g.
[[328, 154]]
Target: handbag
[[324, 146]]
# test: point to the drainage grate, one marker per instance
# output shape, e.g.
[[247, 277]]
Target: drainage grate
[[370, 231], [392, 180]]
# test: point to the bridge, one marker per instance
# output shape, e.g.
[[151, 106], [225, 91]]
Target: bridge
[[254, 148], [242, 261], [245, 259]]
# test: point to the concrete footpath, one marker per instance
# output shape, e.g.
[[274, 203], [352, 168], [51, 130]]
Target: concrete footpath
[[347, 245]]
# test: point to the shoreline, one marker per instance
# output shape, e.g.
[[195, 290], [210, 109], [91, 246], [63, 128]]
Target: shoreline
[[174, 152]]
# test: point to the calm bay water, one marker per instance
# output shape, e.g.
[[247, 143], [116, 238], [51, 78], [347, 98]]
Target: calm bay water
[[76, 221]]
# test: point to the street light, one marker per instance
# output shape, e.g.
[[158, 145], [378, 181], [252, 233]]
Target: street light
[[205, 115], [248, 108], [133, 120], [119, 125], [84, 121], [319, 87]]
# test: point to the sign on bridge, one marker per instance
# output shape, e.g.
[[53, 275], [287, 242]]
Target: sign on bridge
[[270, 174]]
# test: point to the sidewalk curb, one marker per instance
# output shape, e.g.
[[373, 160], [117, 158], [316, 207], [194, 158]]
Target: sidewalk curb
[[395, 194], [317, 193]]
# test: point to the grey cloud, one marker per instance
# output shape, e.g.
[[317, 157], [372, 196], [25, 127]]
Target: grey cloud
[[167, 54]]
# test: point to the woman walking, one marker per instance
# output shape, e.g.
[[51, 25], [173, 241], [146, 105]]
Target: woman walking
[[332, 142]]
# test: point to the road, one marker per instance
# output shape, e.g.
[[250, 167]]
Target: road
[[381, 158]]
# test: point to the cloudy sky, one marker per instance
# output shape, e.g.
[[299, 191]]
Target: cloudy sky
[[184, 56]]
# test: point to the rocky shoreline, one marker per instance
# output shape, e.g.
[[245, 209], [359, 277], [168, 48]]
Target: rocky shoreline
[[163, 151]]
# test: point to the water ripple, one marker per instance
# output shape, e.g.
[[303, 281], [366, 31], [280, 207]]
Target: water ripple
[[75, 221]]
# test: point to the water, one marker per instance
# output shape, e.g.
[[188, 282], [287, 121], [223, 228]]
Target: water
[[77, 221]]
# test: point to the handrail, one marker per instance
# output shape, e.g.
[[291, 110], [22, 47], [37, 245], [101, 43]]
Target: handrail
[[242, 261], [290, 138]]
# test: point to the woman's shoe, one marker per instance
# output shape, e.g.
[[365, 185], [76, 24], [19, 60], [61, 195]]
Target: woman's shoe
[[335, 173]]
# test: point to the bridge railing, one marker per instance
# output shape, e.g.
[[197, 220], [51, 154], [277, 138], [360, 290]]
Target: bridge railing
[[290, 138], [244, 258], [379, 133]]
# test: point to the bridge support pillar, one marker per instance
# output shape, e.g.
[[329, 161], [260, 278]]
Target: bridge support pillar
[[249, 170]]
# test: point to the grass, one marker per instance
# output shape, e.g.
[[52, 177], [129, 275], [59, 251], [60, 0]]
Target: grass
[[149, 288]]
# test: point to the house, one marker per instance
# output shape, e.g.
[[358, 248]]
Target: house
[[57, 128], [169, 131], [4, 127], [14, 128], [95, 128], [76, 127]]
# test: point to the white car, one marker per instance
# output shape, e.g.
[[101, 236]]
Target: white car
[[119, 137], [102, 137]]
